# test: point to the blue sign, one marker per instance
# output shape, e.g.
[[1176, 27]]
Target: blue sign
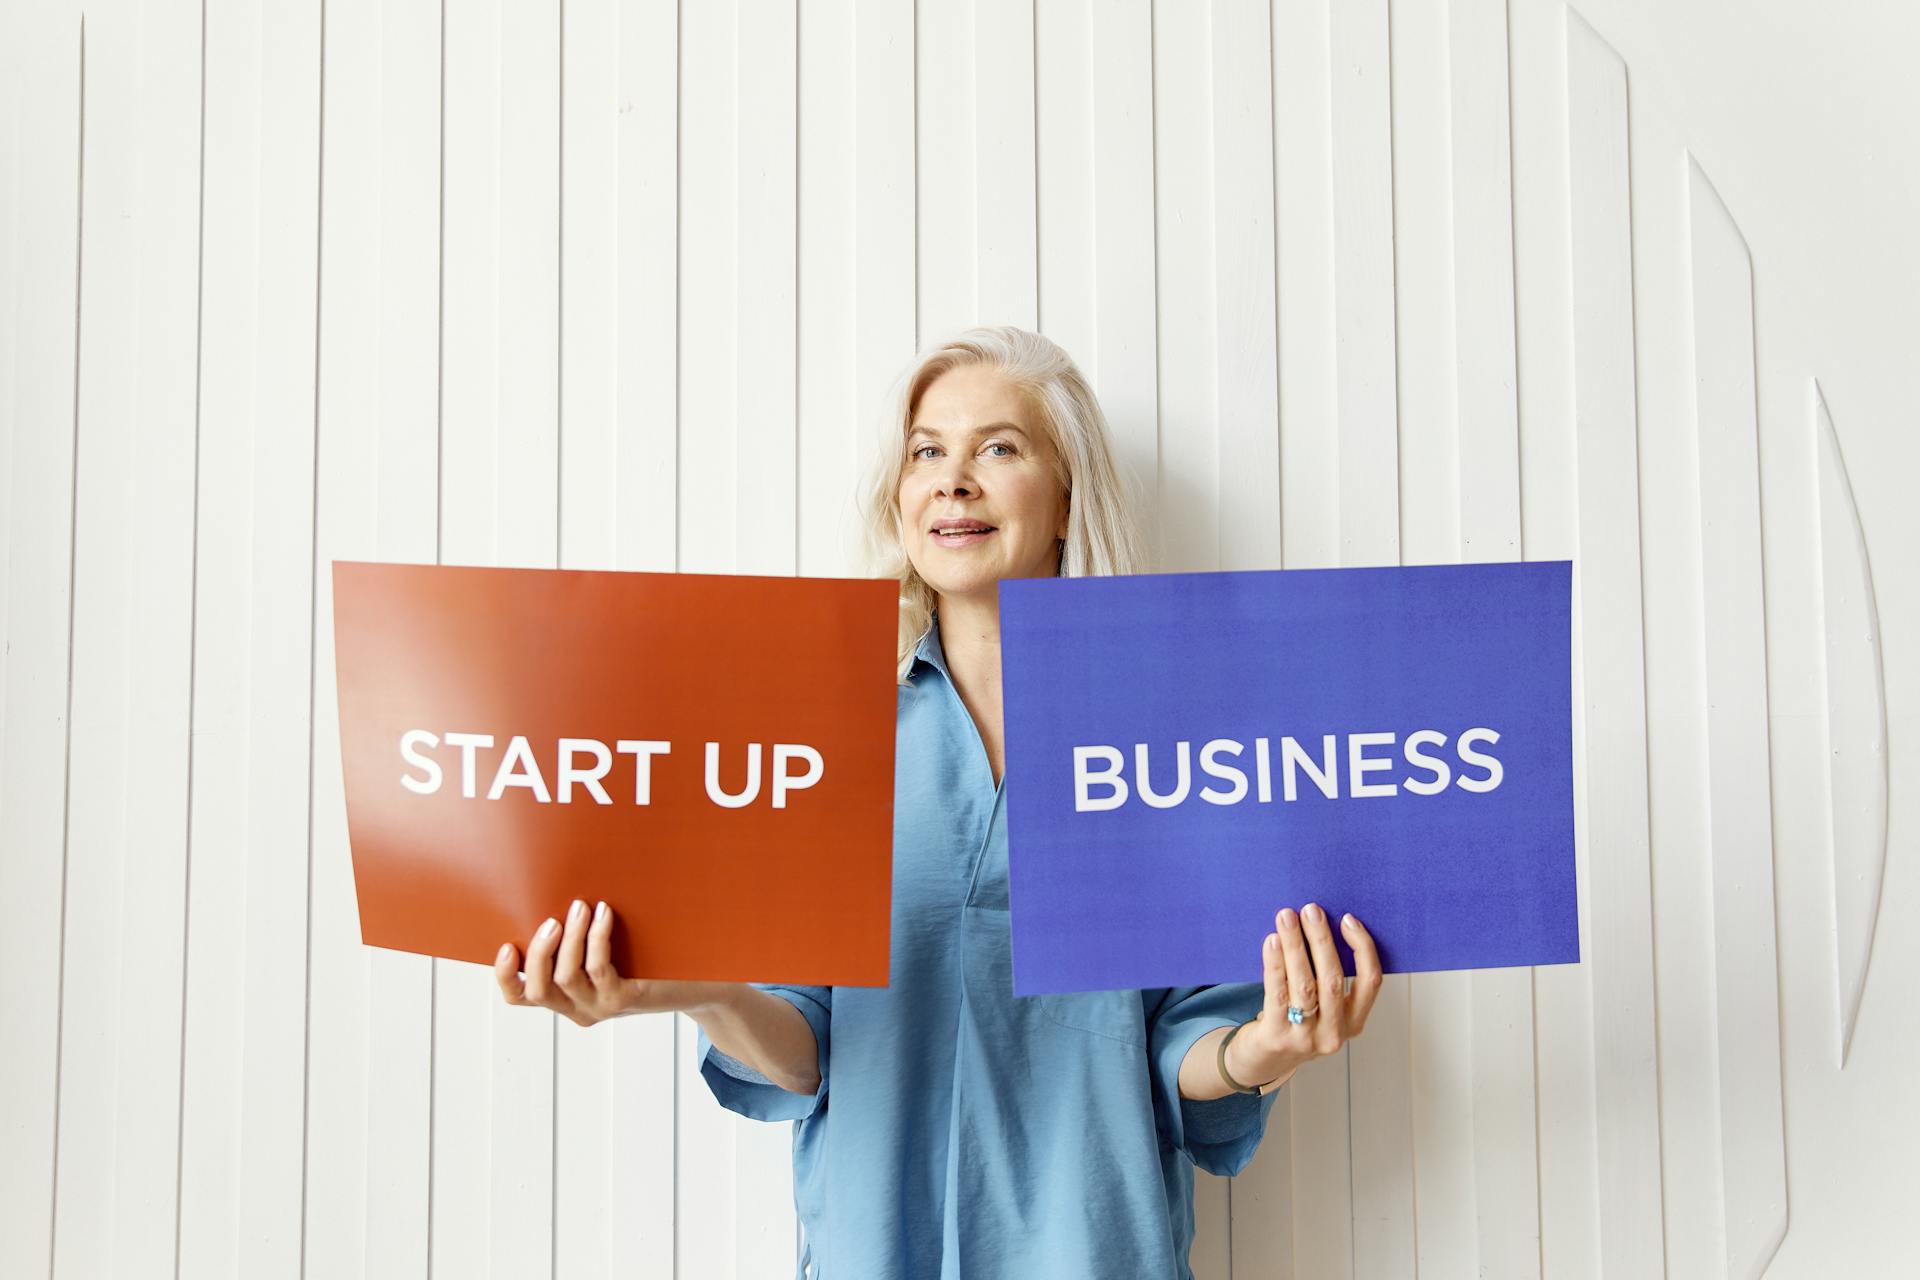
[[1189, 752]]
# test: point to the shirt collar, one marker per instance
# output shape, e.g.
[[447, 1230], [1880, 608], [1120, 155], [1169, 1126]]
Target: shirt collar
[[929, 650]]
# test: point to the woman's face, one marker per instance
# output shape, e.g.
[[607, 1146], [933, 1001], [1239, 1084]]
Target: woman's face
[[977, 457]]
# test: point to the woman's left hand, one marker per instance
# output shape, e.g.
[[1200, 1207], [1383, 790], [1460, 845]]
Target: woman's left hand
[[1302, 967]]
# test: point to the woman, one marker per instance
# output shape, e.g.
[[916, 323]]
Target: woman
[[946, 1127]]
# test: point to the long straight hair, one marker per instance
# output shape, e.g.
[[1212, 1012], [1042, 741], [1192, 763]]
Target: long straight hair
[[1102, 534]]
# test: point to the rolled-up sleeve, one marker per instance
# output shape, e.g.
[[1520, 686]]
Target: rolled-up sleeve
[[1219, 1135], [738, 1087]]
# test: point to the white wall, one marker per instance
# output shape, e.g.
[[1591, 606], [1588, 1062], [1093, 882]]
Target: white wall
[[620, 286]]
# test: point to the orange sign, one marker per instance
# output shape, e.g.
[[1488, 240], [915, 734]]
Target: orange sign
[[711, 755]]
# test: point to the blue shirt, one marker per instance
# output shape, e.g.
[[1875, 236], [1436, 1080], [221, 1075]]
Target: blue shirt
[[959, 1131]]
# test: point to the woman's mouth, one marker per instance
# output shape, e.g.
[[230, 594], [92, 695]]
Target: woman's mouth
[[963, 535]]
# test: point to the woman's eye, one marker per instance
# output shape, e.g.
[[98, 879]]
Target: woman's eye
[[997, 445]]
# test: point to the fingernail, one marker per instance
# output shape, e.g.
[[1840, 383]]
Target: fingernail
[[1313, 912], [1287, 916], [1272, 939], [1346, 921], [506, 949], [600, 913], [548, 927]]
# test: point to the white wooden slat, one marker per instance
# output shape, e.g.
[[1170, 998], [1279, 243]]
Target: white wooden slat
[[766, 353], [829, 443], [614, 1083], [1184, 302], [525, 353], [1303, 199], [1246, 393], [1483, 283], [705, 1230], [766, 281], [1211, 1254], [500, 379], [368, 1153], [1380, 1103], [606, 1216], [1751, 1122], [40, 165], [886, 95], [946, 208], [1505, 1151], [1607, 581], [401, 374], [1306, 1184], [1064, 159], [1675, 701], [1433, 463], [1189, 387], [1121, 358], [1563, 1025], [1263, 1229], [1426, 346], [122, 940], [243, 1104], [1005, 222]]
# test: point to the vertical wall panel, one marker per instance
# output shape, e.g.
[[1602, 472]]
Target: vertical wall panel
[[946, 208], [766, 281], [122, 942], [1122, 355], [1543, 330], [1380, 1105], [1064, 165], [1183, 259], [1189, 475], [1006, 279], [1433, 467], [1607, 581], [706, 1146], [886, 290], [1246, 392], [1314, 1225], [41, 65], [1304, 305], [830, 446], [243, 1091], [1734, 642], [614, 1083], [1676, 698], [370, 1163], [499, 365], [1505, 1151], [1856, 713]]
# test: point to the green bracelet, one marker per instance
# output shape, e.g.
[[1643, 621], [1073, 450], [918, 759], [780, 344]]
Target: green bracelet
[[1224, 1075]]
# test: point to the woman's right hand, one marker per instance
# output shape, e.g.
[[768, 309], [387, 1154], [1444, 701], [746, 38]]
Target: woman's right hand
[[571, 972]]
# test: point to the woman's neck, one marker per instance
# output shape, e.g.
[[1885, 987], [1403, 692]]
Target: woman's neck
[[970, 639]]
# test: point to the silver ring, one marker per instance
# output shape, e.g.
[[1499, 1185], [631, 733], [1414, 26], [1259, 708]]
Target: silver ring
[[1296, 1015]]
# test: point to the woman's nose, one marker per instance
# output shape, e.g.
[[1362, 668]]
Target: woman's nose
[[954, 481]]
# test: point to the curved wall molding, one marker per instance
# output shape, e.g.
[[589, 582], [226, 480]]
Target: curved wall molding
[[1856, 724]]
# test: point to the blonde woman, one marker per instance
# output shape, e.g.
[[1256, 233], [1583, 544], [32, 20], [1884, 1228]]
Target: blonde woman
[[944, 1127]]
